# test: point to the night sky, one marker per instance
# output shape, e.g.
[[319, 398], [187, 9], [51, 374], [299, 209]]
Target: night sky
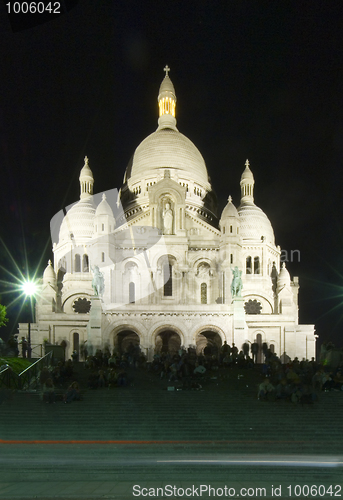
[[253, 79]]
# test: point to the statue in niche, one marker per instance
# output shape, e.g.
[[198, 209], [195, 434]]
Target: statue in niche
[[98, 282], [167, 220], [237, 283]]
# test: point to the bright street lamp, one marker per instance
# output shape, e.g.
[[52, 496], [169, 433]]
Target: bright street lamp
[[29, 288]]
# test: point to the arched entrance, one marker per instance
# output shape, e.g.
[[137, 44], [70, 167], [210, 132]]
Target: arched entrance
[[168, 341], [124, 341], [208, 342]]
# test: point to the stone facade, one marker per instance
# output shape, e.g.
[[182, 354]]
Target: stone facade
[[174, 273]]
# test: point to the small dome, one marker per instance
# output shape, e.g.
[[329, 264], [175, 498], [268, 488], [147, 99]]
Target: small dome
[[79, 221], [49, 275], [254, 224], [103, 208], [230, 210], [284, 278]]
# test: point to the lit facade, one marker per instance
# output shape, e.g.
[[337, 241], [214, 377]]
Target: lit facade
[[167, 260]]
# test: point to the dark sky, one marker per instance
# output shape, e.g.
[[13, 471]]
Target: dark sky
[[254, 79]]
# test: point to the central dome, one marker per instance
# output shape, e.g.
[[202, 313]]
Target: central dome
[[168, 148]]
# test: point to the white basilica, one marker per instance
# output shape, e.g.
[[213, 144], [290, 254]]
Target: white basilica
[[154, 264]]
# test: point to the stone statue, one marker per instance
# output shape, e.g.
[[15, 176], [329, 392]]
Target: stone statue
[[167, 220], [98, 282], [237, 283]]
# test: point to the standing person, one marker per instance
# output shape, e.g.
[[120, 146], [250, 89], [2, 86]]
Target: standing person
[[234, 352], [24, 347], [246, 350], [254, 351]]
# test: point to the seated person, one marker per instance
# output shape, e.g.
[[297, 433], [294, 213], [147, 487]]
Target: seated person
[[122, 379], [266, 390], [112, 378], [73, 393], [293, 377]]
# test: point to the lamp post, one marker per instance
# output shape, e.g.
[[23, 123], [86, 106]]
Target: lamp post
[[29, 288]]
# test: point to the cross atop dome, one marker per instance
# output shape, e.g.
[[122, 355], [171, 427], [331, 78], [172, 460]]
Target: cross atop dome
[[229, 199], [167, 102], [247, 164], [86, 160]]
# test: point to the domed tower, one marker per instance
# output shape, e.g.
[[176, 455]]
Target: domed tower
[[256, 231], [168, 153], [258, 246], [77, 228]]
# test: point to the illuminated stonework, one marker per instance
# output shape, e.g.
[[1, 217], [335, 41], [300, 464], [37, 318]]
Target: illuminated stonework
[[166, 257]]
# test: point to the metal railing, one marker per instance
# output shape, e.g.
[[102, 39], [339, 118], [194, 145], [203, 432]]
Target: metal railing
[[28, 379], [36, 351], [9, 379]]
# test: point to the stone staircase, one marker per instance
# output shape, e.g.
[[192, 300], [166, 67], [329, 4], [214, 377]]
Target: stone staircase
[[226, 411]]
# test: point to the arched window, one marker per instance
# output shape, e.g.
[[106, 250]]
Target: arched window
[[76, 342], [231, 258], [77, 265], [102, 256], [230, 229], [85, 263], [168, 280], [248, 269], [203, 293], [256, 265], [132, 297]]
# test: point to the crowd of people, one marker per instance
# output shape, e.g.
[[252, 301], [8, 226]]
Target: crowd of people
[[56, 383], [298, 381], [283, 378]]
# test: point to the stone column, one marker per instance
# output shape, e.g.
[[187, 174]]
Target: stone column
[[94, 337], [240, 327]]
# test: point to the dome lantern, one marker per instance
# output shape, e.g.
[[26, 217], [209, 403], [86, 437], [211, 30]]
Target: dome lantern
[[247, 185], [167, 103], [86, 181]]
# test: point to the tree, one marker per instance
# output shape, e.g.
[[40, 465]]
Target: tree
[[3, 316]]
